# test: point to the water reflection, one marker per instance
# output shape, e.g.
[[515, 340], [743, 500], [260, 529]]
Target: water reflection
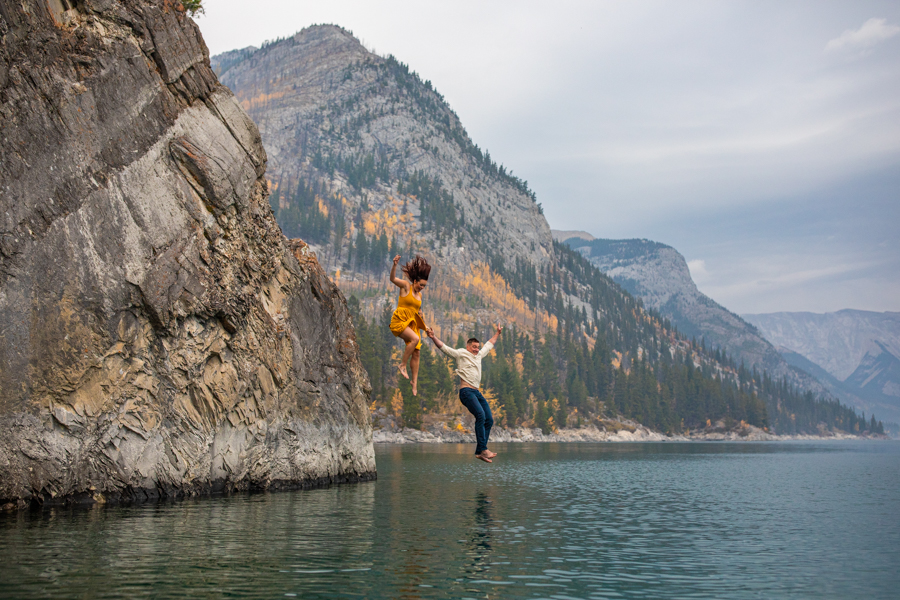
[[242, 543], [478, 547], [586, 521]]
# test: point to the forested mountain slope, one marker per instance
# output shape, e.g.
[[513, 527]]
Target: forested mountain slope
[[367, 160]]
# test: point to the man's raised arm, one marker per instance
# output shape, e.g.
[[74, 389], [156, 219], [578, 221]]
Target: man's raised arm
[[490, 343]]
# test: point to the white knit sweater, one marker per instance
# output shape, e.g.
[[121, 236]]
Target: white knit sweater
[[468, 365]]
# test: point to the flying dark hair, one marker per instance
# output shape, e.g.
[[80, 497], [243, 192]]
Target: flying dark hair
[[416, 269], [472, 340]]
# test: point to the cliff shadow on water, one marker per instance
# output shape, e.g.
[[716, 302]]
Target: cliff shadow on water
[[159, 336]]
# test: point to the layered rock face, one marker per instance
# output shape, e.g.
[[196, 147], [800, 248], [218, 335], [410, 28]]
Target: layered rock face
[[157, 334]]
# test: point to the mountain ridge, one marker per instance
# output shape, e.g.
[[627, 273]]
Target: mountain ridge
[[369, 161], [336, 53], [836, 341], [659, 275]]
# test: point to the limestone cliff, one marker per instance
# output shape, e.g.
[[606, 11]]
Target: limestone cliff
[[158, 336]]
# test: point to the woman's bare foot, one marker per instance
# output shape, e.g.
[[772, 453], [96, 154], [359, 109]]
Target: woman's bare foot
[[489, 453], [415, 390], [483, 456], [403, 371]]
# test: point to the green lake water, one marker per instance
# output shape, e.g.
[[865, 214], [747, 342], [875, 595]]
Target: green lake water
[[670, 520]]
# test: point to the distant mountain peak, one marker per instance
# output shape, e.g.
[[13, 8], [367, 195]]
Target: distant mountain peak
[[650, 270], [835, 341], [330, 34], [340, 44], [859, 348]]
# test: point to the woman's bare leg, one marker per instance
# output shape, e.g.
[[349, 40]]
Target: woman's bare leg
[[414, 371], [412, 340]]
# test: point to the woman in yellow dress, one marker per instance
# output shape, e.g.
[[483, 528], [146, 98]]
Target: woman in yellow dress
[[407, 321]]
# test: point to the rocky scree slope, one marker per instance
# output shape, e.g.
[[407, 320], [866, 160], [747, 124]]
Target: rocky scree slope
[[158, 335]]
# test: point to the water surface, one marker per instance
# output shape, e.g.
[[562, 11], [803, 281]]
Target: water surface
[[673, 520]]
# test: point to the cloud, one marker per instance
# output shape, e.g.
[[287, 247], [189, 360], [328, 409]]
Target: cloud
[[872, 32], [756, 281], [698, 270], [811, 274]]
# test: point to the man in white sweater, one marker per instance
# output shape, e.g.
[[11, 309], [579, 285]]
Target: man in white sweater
[[468, 367]]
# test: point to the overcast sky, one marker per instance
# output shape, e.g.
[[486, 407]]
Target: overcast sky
[[760, 139]]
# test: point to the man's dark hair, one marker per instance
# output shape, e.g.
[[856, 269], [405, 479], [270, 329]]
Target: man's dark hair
[[416, 269], [470, 340]]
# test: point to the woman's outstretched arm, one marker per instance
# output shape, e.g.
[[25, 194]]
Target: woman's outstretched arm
[[434, 338], [400, 283]]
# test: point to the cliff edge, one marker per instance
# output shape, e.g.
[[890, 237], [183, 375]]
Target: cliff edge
[[158, 335]]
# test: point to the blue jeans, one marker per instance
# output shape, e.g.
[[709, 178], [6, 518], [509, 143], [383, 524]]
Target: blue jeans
[[484, 420]]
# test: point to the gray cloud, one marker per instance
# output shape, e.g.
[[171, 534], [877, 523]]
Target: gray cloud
[[870, 33], [762, 138]]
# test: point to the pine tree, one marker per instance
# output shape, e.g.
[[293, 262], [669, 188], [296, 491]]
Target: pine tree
[[412, 407], [362, 250], [542, 415]]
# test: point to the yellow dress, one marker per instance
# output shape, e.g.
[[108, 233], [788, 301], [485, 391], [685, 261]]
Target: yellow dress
[[407, 315]]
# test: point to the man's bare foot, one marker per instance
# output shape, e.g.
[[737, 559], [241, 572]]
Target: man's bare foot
[[484, 457], [415, 390], [489, 453], [403, 371]]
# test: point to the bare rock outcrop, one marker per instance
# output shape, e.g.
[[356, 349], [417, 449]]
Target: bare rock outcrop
[[158, 336]]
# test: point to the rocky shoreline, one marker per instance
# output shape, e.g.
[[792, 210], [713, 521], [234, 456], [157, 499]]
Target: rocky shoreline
[[456, 432]]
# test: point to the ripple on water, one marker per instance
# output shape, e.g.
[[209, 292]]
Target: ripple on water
[[553, 521]]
